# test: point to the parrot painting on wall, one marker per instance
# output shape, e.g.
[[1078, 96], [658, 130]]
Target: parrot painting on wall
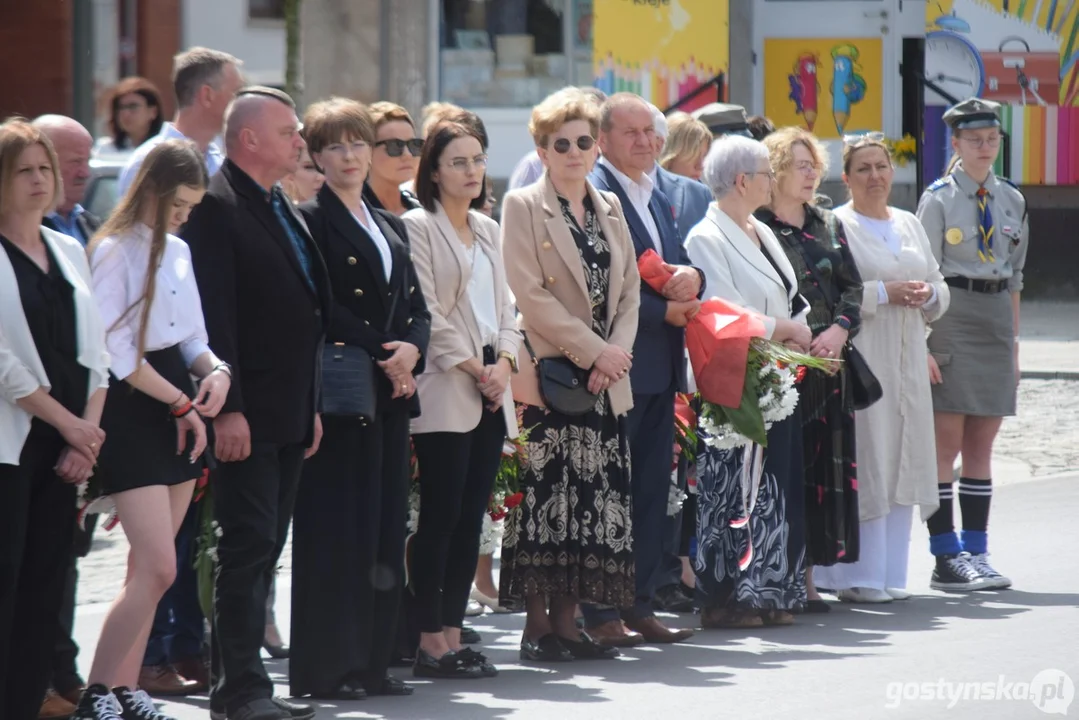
[[848, 87], [805, 88]]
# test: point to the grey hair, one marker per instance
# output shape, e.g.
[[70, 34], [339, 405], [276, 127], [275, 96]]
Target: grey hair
[[729, 157], [659, 120], [197, 67]]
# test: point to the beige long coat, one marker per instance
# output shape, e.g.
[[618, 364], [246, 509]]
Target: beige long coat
[[897, 461]]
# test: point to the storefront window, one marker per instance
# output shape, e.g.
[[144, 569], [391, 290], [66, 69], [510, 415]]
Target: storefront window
[[512, 53]]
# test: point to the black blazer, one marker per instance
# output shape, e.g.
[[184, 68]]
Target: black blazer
[[361, 295], [262, 316]]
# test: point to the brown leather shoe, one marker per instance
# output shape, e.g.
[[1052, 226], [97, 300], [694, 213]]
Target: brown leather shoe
[[165, 681], [196, 669], [615, 634], [653, 631], [72, 694], [55, 707]]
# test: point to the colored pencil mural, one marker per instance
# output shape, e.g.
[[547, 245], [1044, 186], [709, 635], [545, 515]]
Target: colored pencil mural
[[1022, 55], [850, 69], [629, 54]]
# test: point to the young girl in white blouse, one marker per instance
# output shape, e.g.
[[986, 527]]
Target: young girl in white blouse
[[156, 338]]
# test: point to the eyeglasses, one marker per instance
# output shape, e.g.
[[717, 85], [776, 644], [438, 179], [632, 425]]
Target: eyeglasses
[[395, 147], [464, 164], [872, 137], [584, 144], [807, 167], [980, 142], [342, 150], [131, 107], [769, 172]]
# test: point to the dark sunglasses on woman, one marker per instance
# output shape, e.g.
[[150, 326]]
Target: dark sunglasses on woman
[[584, 144], [395, 147]]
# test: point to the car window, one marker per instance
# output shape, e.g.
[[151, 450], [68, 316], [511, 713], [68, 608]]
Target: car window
[[101, 195]]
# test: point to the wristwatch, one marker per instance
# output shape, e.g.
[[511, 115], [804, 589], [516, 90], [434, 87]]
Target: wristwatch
[[510, 358]]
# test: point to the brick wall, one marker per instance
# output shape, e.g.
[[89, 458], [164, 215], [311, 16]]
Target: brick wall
[[35, 52]]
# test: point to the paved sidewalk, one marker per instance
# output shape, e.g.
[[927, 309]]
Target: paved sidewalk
[[1049, 340]]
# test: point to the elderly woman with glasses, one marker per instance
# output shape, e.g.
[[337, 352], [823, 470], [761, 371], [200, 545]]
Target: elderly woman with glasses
[[744, 263], [572, 267], [902, 292], [829, 281], [977, 228]]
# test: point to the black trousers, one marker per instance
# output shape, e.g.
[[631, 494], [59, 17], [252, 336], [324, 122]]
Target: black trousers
[[35, 552], [65, 674], [348, 551], [253, 502], [457, 471]]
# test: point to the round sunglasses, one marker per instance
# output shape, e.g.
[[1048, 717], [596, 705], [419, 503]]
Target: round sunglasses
[[395, 147], [584, 144]]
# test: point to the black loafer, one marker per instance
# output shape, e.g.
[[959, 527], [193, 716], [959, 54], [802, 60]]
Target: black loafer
[[450, 665], [548, 648], [479, 660], [585, 648], [295, 710], [817, 606], [469, 636], [389, 686]]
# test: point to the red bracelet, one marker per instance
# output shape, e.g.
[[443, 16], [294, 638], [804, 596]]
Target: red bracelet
[[183, 409]]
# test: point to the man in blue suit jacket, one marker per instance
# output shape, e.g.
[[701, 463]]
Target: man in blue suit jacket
[[626, 137], [688, 197]]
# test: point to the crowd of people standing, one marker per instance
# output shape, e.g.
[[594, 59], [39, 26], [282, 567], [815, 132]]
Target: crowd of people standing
[[301, 311]]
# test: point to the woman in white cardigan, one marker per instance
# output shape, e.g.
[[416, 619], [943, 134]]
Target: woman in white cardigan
[[903, 292], [53, 375], [744, 263]]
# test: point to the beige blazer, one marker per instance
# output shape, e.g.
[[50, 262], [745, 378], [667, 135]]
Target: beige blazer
[[546, 275], [449, 397]]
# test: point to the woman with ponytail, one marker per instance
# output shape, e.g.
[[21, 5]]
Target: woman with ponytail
[[156, 338]]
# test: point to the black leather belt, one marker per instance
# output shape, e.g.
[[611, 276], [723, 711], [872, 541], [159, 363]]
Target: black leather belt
[[979, 286]]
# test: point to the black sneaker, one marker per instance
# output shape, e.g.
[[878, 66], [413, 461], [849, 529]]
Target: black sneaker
[[137, 705], [956, 573], [98, 703], [981, 564]]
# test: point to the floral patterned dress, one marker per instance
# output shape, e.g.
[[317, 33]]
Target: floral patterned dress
[[572, 533], [831, 482]]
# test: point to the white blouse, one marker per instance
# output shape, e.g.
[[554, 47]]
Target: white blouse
[[481, 294], [118, 268], [375, 233]]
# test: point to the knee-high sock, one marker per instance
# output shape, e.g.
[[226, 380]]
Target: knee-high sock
[[943, 539], [975, 497]]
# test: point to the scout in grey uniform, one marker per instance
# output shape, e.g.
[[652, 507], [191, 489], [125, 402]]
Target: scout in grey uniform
[[977, 228]]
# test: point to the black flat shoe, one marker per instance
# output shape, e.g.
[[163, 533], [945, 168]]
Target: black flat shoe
[[277, 652], [478, 659], [588, 649], [450, 665], [469, 636], [389, 686], [548, 648], [347, 691], [817, 606]]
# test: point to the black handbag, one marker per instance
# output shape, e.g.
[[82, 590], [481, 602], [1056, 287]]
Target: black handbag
[[563, 385], [865, 387], [349, 386]]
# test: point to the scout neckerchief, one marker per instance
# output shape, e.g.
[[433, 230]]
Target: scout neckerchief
[[985, 227]]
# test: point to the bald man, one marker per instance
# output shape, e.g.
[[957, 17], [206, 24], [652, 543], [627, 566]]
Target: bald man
[[73, 144], [266, 297]]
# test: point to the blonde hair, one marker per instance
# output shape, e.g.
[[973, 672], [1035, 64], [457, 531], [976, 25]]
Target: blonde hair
[[559, 108], [16, 135], [781, 146], [383, 112], [687, 138]]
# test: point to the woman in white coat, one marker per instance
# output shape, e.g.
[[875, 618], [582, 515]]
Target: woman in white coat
[[53, 373], [744, 263], [903, 292]]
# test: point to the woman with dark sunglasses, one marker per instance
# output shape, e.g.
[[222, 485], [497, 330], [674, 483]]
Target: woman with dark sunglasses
[[394, 160]]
